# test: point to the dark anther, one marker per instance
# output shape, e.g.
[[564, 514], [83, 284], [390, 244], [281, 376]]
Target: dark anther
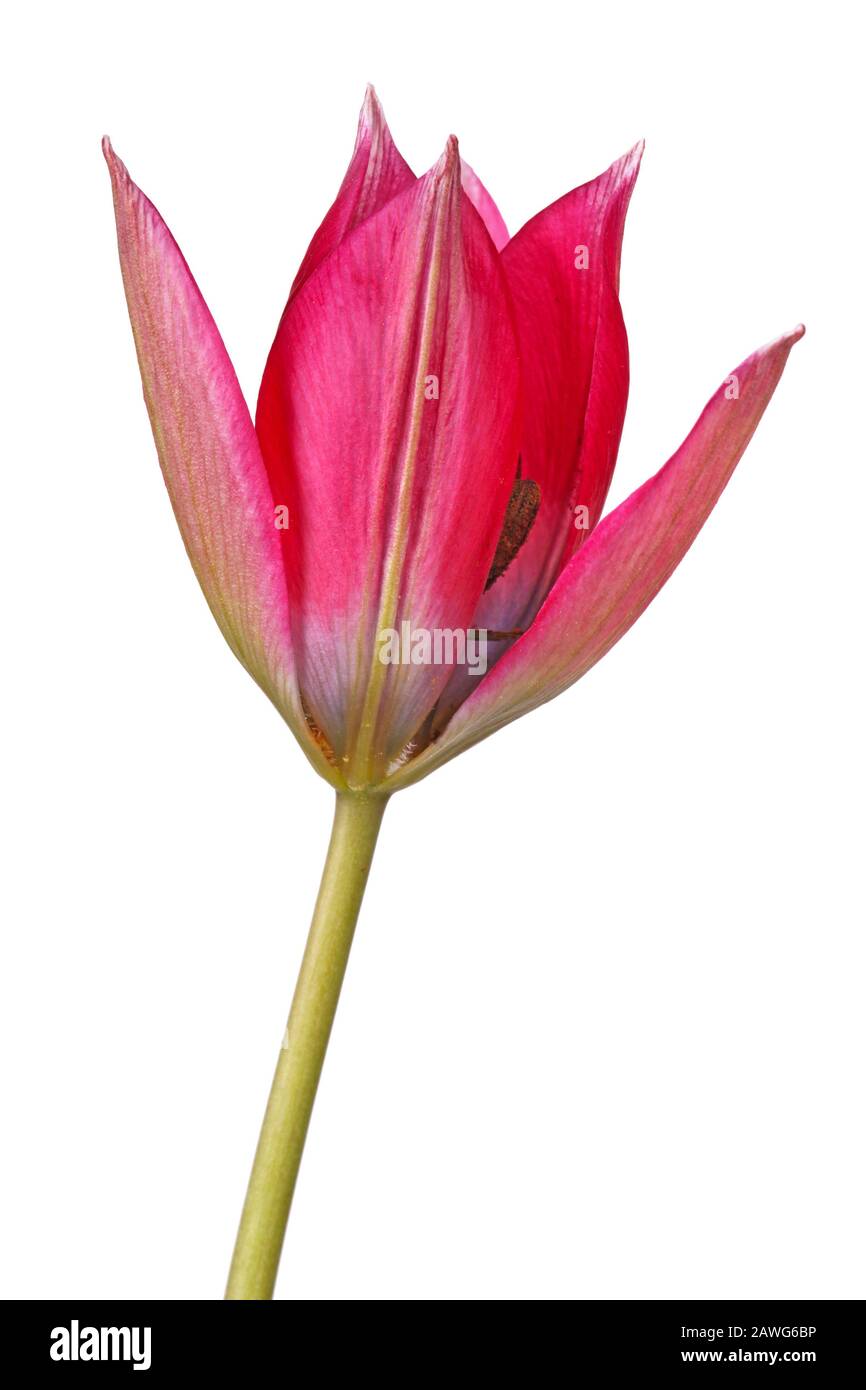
[[520, 513]]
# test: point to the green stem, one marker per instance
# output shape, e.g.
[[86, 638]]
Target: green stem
[[269, 1196]]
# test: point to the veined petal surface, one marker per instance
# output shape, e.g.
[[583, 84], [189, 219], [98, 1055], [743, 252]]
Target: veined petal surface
[[562, 270], [207, 448], [389, 419], [376, 174]]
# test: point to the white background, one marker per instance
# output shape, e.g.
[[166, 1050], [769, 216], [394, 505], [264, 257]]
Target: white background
[[602, 1033]]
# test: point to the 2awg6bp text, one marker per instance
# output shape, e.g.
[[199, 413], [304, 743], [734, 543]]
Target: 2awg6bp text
[[736, 1333]]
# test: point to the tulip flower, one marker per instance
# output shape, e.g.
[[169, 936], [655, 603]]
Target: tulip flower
[[407, 549]]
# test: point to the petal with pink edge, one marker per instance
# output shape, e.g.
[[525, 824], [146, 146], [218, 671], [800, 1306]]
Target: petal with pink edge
[[610, 581], [389, 417], [208, 450], [562, 269]]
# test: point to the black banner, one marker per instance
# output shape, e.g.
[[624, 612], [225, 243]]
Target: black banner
[[155, 1339]]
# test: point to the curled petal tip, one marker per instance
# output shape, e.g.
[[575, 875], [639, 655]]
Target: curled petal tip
[[797, 333]]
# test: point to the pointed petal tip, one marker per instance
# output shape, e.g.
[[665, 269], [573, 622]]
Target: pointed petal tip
[[448, 163], [628, 164], [117, 170], [371, 119], [784, 340], [371, 110]]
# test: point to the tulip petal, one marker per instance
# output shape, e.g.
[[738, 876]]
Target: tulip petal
[[562, 269], [208, 450], [616, 574], [484, 205], [376, 174], [388, 417]]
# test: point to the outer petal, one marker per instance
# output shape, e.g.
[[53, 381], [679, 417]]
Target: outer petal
[[376, 174], [563, 272], [484, 205], [207, 448], [613, 578], [388, 416]]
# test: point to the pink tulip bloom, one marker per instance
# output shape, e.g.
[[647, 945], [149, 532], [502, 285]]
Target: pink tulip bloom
[[435, 436]]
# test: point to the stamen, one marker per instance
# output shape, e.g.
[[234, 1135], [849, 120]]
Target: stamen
[[520, 513], [320, 739]]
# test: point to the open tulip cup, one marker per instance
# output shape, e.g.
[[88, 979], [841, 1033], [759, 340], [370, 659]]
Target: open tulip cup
[[406, 549]]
